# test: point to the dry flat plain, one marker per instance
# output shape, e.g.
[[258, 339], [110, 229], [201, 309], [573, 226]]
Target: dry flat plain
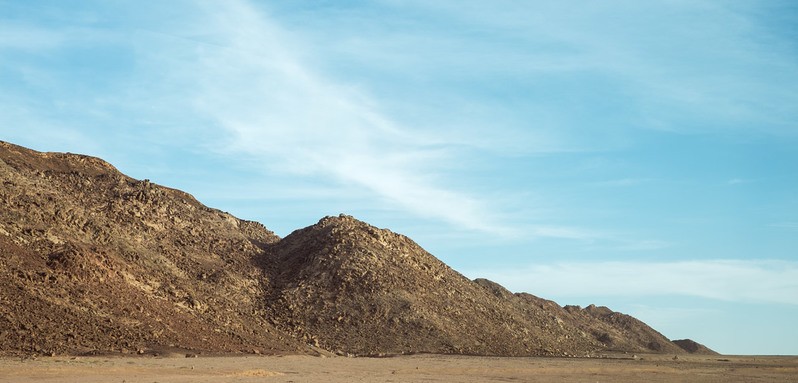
[[415, 368]]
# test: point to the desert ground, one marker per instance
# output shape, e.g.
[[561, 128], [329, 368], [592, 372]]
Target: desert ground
[[416, 368]]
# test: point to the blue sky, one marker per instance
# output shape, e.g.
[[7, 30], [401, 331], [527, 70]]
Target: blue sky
[[638, 155]]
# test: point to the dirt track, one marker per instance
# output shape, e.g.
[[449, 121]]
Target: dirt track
[[427, 368]]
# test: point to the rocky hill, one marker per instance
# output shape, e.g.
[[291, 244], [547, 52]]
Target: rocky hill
[[614, 331], [694, 347], [358, 289], [95, 261]]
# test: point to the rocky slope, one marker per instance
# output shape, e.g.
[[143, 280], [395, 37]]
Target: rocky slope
[[694, 347], [354, 288], [614, 331], [94, 261]]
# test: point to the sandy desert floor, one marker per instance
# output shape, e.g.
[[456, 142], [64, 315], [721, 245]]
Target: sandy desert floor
[[416, 368]]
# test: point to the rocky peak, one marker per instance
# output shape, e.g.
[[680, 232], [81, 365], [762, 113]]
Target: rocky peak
[[44, 163]]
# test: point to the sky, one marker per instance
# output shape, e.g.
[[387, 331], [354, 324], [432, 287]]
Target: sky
[[636, 155]]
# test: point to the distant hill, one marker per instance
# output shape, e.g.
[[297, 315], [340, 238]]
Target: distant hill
[[693, 347], [95, 261]]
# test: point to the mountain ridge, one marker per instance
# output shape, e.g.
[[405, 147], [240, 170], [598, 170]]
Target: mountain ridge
[[97, 261]]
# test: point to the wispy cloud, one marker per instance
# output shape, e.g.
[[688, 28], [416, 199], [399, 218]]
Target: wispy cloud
[[700, 71], [738, 181], [254, 83], [728, 280], [227, 77]]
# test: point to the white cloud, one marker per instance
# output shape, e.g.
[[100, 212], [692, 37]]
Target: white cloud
[[229, 78], [681, 62], [234, 65], [767, 281], [254, 82], [738, 181]]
